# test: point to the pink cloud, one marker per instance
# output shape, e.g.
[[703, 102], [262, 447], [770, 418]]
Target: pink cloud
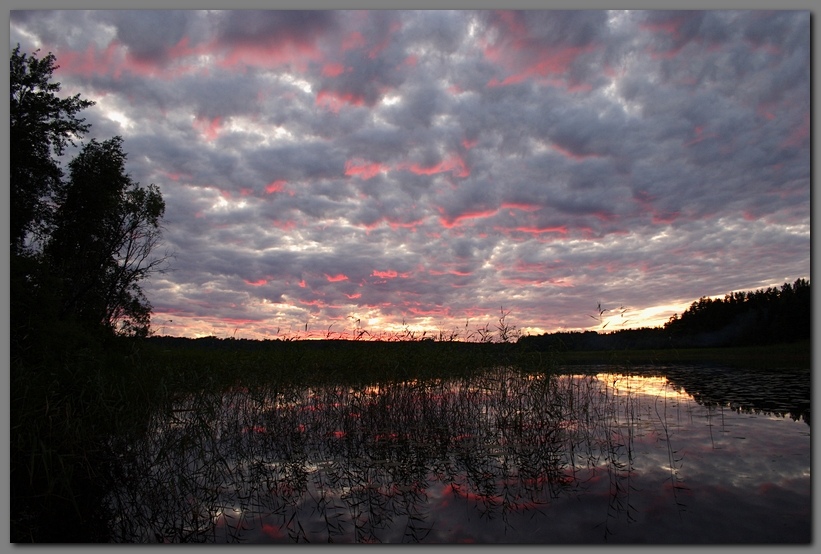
[[334, 100], [363, 169], [333, 69], [270, 55], [378, 48], [450, 272], [353, 41], [183, 50], [336, 278], [286, 225], [549, 62], [257, 283], [561, 229], [669, 27], [664, 218], [605, 216], [513, 21], [455, 221], [468, 144], [419, 309], [394, 224], [174, 176], [535, 282], [389, 274], [275, 186], [578, 156], [209, 128], [453, 163], [523, 206], [89, 62]]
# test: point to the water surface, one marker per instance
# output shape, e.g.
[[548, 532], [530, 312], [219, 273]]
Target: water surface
[[677, 455]]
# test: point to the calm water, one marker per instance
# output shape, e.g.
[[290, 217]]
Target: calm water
[[669, 455]]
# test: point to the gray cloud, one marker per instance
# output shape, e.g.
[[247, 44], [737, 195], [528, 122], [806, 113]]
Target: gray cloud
[[426, 167]]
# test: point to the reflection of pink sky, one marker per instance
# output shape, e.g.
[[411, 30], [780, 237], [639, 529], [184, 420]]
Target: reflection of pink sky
[[721, 469], [655, 387]]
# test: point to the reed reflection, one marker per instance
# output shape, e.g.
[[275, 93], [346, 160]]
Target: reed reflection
[[385, 463]]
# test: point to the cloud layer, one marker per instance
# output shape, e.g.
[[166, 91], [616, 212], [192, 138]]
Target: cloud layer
[[384, 170]]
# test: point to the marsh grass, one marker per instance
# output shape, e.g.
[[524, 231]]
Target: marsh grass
[[71, 404], [359, 456], [77, 414], [360, 463]]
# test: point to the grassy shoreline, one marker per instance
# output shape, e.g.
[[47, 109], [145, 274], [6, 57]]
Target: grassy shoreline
[[796, 355], [390, 360]]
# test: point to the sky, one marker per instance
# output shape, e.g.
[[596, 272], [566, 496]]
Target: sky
[[327, 173]]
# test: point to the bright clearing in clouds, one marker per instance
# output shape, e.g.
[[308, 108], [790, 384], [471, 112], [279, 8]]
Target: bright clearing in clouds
[[389, 170]]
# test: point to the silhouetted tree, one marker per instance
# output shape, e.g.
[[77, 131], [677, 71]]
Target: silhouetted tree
[[764, 316], [41, 124], [94, 234], [105, 232]]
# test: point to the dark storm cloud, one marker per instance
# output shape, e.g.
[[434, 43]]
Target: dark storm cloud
[[148, 35], [426, 167], [255, 26]]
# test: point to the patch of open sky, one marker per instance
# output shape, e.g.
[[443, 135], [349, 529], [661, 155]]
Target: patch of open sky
[[224, 205], [301, 84], [391, 99], [538, 146], [441, 120], [618, 19], [612, 94], [35, 40], [266, 134], [295, 242]]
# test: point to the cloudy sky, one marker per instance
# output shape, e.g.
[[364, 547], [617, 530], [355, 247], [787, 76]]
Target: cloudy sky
[[384, 170]]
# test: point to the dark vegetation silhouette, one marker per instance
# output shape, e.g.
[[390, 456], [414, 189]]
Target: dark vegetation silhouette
[[81, 243], [754, 318]]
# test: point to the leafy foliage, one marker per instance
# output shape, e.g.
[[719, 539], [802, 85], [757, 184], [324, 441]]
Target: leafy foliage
[[41, 124], [105, 229], [763, 316], [770, 316], [80, 246]]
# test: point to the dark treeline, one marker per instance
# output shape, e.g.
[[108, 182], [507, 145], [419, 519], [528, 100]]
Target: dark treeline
[[764, 316], [82, 239], [755, 318]]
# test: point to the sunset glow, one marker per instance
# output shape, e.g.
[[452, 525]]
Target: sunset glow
[[421, 171]]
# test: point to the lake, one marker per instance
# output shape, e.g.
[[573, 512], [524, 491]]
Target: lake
[[662, 455]]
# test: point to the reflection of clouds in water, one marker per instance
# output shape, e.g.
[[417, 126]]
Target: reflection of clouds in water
[[501, 457], [745, 450]]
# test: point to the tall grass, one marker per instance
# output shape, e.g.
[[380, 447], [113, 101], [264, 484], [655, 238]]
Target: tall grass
[[71, 403], [362, 463]]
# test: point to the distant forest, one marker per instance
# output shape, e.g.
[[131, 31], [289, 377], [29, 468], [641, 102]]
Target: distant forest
[[765, 316]]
